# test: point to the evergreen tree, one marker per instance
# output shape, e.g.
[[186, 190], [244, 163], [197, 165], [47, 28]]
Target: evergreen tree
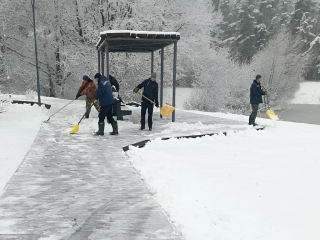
[[245, 44], [216, 4], [301, 7]]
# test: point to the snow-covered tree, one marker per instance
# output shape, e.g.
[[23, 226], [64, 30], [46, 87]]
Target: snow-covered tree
[[5, 102]]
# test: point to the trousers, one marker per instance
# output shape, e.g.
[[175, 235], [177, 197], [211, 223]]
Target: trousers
[[89, 103], [144, 107], [106, 112], [253, 114]]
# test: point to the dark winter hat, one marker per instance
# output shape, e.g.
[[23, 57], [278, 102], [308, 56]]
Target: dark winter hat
[[86, 78], [258, 76], [98, 75], [153, 75]]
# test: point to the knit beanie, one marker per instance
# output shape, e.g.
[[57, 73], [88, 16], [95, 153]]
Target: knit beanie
[[98, 75], [86, 78]]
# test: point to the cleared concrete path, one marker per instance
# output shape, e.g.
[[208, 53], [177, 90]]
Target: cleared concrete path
[[82, 187]]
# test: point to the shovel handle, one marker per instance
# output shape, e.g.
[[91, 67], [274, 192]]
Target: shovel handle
[[267, 103], [146, 98], [60, 109], [85, 113]]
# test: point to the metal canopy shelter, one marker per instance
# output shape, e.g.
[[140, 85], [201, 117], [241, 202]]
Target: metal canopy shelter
[[138, 42]]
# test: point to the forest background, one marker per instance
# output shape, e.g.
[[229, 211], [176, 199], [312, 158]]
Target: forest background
[[224, 44]]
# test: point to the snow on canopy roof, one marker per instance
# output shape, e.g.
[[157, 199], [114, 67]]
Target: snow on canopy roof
[[137, 32], [98, 42], [136, 41]]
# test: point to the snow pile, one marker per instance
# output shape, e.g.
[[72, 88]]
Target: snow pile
[[30, 94], [309, 93], [237, 117], [18, 129], [186, 127], [5, 102], [246, 185]]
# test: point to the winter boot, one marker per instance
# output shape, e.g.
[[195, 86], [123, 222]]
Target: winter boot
[[114, 128], [86, 115], [101, 129]]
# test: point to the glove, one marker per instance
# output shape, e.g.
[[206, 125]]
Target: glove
[[136, 90], [78, 95], [95, 101], [157, 105]]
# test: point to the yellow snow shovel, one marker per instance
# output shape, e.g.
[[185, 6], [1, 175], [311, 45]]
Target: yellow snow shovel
[[165, 111], [270, 113], [75, 128]]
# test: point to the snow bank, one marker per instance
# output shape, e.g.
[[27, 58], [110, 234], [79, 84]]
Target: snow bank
[[192, 128], [246, 185], [309, 93], [18, 129], [237, 117]]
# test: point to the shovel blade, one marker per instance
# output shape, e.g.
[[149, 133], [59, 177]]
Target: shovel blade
[[75, 129], [271, 114], [46, 121], [166, 110]]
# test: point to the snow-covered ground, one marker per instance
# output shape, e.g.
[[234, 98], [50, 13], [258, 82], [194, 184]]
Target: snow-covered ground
[[309, 93], [246, 185], [18, 128]]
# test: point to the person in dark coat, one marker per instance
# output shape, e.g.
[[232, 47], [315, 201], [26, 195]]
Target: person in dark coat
[[106, 101], [115, 89], [114, 82], [255, 99], [150, 90], [89, 89]]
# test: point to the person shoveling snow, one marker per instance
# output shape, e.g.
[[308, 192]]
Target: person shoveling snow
[[89, 89], [149, 98], [106, 101], [256, 93]]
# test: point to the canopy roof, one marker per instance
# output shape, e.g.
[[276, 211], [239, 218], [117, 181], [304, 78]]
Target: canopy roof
[[136, 41]]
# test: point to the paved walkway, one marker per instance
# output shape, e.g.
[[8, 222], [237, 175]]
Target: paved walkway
[[301, 113], [82, 187]]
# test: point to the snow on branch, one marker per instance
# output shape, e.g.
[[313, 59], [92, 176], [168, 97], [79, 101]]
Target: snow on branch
[[314, 42]]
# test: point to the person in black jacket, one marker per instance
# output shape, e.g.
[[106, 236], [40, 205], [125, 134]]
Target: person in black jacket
[[150, 91], [114, 82], [116, 88], [255, 99]]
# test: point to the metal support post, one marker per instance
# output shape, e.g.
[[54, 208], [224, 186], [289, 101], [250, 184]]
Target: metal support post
[[36, 52], [161, 81], [99, 62], [152, 59], [102, 62], [107, 59], [174, 81]]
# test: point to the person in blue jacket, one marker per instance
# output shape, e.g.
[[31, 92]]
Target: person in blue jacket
[[106, 102], [150, 90], [255, 99]]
